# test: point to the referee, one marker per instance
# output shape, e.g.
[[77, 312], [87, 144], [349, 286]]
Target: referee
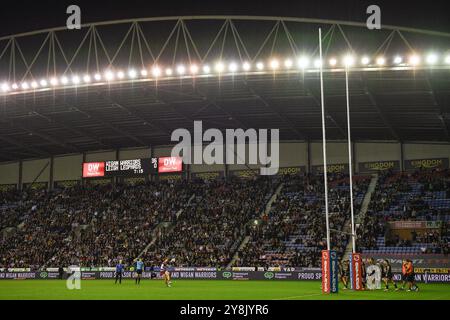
[[119, 272]]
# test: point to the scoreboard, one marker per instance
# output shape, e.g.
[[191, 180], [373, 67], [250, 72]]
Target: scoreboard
[[133, 167]]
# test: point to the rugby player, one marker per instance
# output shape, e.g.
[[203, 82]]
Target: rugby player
[[387, 275]]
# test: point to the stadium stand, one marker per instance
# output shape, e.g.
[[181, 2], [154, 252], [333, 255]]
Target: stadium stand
[[93, 226], [292, 233], [211, 228], [208, 220], [412, 196]]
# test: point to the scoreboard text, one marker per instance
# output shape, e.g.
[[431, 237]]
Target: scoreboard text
[[133, 167]]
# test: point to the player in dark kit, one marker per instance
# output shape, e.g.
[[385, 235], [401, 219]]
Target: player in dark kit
[[119, 272], [139, 270], [363, 274], [344, 272], [387, 275]]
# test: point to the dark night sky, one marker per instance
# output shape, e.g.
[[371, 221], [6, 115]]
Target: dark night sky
[[20, 16]]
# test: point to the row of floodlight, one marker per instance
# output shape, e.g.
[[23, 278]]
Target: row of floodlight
[[221, 67]]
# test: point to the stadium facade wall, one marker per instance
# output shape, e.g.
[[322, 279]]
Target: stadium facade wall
[[67, 168], [337, 152], [292, 154], [366, 152], [416, 151], [9, 173], [36, 170]]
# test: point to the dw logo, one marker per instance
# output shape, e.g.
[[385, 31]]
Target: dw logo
[[268, 275], [226, 274], [74, 280]]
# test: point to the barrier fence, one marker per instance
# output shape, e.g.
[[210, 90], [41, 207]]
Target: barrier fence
[[429, 277]]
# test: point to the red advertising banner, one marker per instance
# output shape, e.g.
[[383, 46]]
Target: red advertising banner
[[326, 277], [356, 271], [170, 164], [93, 169]]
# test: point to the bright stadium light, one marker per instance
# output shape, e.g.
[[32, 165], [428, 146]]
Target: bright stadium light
[[333, 62], [54, 81], [274, 64], [194, 69], [398, 60], [206, 69], [144, 72], [414, 60], [365, 61], [219, 67], [181, 69], [34, 84], [381, 61], [169, 72], [288, 63], [120, 75], [233, 67], [246, 66], [317, 63], [75, 79], [109, 75], [25, 85], [15, 86], [156, 72], [43, 83], [432, 58], [303, 62], [5, 87], [97, 76], [349, 60], [87, 78], [447, 59], [132, 73], [260, 66]]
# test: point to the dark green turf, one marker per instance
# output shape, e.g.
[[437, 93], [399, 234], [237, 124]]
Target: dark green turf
[[203, 290]]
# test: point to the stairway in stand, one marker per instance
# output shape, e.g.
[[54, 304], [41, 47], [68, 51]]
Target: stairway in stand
[[360, 216]]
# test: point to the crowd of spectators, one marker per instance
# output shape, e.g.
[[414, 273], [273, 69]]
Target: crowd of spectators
[[87, 226], [209, 230], [293, 233], [206, 221], [408, 196]]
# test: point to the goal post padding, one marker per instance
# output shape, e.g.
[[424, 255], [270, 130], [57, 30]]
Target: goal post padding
[[330, 272], [355, 261]]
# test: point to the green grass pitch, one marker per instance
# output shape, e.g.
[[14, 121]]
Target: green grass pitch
[[203, 290]]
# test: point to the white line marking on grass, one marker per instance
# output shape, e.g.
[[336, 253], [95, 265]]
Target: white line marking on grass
[[302, 296]]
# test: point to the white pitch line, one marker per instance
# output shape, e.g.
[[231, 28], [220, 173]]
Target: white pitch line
[[294, 297]]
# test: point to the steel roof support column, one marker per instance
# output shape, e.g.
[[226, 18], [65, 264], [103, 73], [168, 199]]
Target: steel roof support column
[[20, 186], [308, 154], [51, 175], [117, 180], [402, 156], [83, 181]]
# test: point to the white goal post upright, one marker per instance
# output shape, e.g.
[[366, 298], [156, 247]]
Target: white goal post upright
[[324, 140], [355, 259], [330, 266], [350, 164]]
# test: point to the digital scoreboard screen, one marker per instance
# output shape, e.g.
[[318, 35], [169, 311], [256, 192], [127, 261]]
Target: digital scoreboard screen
[[170, 164], [133, 167]]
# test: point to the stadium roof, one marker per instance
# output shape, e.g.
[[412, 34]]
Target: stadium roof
[[397, 101]]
